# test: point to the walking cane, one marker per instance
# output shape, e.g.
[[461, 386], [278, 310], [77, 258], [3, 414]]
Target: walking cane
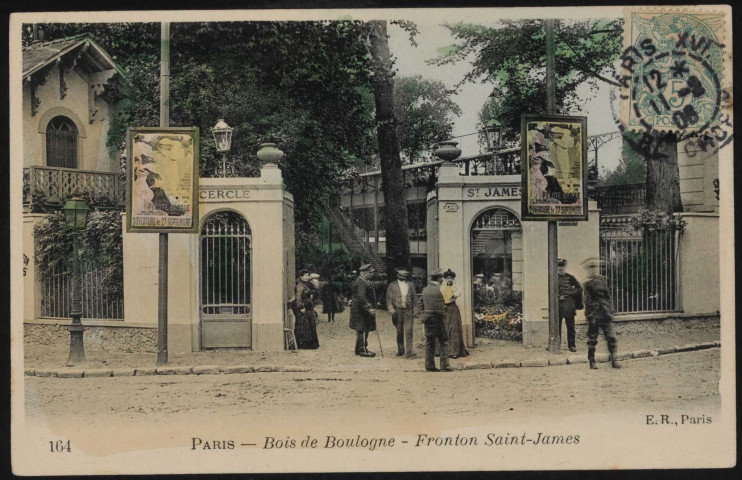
[[378, 336]]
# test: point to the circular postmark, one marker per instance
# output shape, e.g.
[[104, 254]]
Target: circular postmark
[[670, 78]]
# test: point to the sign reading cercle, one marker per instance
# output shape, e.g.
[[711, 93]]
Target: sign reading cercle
[[224, 194], [503, 191]]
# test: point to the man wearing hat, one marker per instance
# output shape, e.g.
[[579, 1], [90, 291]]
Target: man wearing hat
[[362, 313], [432, 309], [570, 300], [400, 300], [598, 310]]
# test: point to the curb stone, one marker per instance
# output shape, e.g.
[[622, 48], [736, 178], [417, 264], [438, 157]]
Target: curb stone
[[29, 372], [207, 370], [705, 345], [506, 364], [642, 354], [123, 372], [665, 351], [238, 369], [558, 361], [602, 357], [145, 371], [98, 372], [624, 355], [70, 373], [573, 359], [267, 369], [536, 362], [718, 344], [173, 370], [475, 366], [45, 372], [685, 348]]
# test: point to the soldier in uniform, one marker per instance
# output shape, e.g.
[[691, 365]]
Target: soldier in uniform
[[570, 300], [431, 308], [599, 312], [400, 301], [362, 310]]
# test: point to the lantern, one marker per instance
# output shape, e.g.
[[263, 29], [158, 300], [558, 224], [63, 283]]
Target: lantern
[[222, 136], [493, 136], [76, 212]]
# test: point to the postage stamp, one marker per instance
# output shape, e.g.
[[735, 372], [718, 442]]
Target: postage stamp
[[672, 68]]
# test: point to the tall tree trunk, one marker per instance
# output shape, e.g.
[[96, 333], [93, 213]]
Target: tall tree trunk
[[397, 233], [663, 177]]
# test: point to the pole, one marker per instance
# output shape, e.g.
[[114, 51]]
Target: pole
[[164, 122], [555, 339], [76, 329]]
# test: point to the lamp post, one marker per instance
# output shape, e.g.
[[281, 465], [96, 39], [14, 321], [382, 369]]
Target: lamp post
[[223, 141], [76, 215]]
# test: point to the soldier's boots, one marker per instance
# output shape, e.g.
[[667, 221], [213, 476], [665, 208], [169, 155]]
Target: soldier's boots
[[614, 361], [591, 358]]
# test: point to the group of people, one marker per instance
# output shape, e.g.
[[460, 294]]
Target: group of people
[[597, 304], [436, 306], [440, 314]]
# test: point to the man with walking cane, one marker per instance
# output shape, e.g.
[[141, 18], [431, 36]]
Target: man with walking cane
[[362, 310]]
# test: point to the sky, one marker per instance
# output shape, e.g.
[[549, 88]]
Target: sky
[[412, 61]]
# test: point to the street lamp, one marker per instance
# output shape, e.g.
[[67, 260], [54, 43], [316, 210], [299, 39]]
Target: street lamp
[[223, 141], [493, 136], [76, 215]]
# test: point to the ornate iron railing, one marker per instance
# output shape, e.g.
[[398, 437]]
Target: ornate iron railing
[[613, 199], [53, 185]]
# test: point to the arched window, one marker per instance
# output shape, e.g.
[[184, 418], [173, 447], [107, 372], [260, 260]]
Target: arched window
[[61, 143]]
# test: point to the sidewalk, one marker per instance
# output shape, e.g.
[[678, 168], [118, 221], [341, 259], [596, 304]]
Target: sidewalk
[[121, 354]]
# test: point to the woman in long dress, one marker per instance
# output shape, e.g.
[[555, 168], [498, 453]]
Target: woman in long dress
[[452, 316], [331, 299], [305, 328]]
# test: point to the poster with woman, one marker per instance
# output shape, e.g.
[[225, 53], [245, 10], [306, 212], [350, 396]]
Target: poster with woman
[[162, 180], [555, 177]]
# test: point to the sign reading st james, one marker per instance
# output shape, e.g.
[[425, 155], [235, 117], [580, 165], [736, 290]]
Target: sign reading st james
[[501, 192]]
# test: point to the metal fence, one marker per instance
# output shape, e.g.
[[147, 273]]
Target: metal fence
[[641, 266], [96, 303]]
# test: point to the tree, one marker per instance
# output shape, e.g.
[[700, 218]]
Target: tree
[[397, 232], [305, 83], [424, 111], [631, 169], [511, 56]]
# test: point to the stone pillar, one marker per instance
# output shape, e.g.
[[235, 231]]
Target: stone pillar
[[32, 286], [698, 264], [535, 285]]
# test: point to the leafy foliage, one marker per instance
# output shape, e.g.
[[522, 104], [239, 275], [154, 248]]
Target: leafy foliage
[[656, 221], [305, 84], [101, 247], [631, 169], [424, 111], [512, 57]]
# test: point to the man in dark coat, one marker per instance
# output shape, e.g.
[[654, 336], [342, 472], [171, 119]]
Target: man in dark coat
[[400, 301], [599, 312], [570, 300], [431, 308], [362, 312]]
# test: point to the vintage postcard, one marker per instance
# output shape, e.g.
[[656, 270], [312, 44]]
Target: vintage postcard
[[271, 241]]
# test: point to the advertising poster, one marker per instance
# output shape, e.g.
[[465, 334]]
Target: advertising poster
[[162, 180], [555, 180]]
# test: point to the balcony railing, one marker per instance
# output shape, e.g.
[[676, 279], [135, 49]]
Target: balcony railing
[[613, 199], [53, 185]]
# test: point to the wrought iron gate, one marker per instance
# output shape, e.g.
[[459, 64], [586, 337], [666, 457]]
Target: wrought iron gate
[[226, 319], [641, 266], [97, 303]]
